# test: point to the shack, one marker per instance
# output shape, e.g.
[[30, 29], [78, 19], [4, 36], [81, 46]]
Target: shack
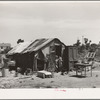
[[39, 54], [70, 57], [16, 55]]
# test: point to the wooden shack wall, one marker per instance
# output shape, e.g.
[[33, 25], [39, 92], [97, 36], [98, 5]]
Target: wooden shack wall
[[46, 50], [69, 57], [27, 61], [24, 61], [50, 50]]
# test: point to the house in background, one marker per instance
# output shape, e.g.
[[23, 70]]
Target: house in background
[[4, 46]]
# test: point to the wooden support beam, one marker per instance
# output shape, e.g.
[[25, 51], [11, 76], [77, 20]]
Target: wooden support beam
[[91, 71]]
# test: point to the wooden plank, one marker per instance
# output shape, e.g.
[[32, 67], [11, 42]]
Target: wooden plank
[[91, 71]]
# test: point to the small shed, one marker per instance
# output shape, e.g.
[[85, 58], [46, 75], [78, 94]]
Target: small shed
[[70, 56]]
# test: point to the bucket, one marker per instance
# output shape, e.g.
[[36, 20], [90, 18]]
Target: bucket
[[6, 72]]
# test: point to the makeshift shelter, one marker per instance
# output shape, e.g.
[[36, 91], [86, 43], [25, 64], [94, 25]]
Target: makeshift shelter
[[16, 55], [35, 54], [70, 56], [43, 50], [19, 48]]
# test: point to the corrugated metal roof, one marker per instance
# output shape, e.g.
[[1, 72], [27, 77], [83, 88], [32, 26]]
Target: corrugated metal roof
[[38, 44], [31, 46], [19, 48]]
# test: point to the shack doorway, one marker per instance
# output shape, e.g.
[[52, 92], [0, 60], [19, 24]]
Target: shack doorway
[[58, 50], [40, 64], [40, 61]]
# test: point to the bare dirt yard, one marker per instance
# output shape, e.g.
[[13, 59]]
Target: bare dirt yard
[[59, 81]]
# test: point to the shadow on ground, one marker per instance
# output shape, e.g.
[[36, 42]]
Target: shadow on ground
[[78, 76]]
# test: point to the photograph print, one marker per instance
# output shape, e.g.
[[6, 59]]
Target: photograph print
[[45, 45]]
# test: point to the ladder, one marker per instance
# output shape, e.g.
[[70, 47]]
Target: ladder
[[90, 55]]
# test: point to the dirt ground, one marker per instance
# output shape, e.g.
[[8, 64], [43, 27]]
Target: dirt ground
[[59, 81]]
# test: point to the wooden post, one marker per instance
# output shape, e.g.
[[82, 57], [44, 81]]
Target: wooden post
[[91, 70], [45, 66], [36, 63], [85, 70], [76, 70], [81, 70]]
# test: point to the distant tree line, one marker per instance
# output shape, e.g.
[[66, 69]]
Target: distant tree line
[[5, 51], [86, 46]]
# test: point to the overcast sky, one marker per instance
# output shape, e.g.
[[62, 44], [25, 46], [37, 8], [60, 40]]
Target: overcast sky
[[66, 21]]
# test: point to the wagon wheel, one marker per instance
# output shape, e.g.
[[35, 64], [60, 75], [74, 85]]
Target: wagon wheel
[[43, 75]]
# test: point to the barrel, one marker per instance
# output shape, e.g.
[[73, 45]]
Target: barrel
[[5, 72]]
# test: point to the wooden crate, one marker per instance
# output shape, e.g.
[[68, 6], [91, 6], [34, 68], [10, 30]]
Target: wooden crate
[[44, 74]]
